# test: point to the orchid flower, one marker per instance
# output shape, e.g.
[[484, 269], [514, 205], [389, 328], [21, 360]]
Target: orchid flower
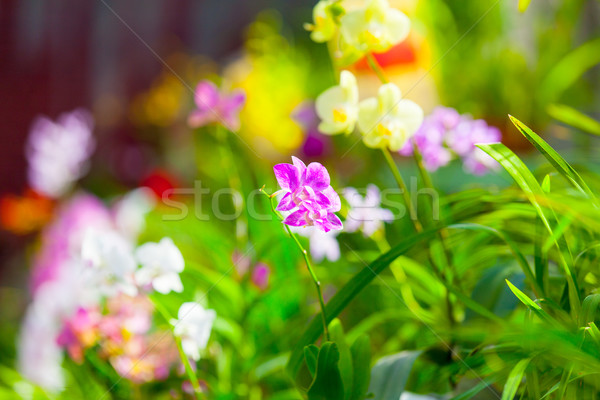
[[388, 120], [161, 264], [58, 152], [365, 212], [215, 107], [338, 106], [376, 27], [445, 134], [193, 327], [111, 258], [308, 194], [325, 14]]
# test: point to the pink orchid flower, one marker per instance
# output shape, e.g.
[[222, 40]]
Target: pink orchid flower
[[309, 195], [215, 107]]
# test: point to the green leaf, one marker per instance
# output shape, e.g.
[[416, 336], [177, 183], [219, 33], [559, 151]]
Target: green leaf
[[555, 159], [588, 309], [531, 304], [523, 4], [530, 186], [469, 394], [311, 354], [594, 332], [514, 380], [336, 333], [341, 299], [523, 297], [327, 384], [576, 119], [568, 70], [361, 360], [546, 184], [519, 257], [390, 374]]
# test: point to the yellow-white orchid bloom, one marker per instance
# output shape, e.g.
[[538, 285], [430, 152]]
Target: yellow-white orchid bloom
[[388, 120], [324, 24], [337, 107], [376, 27]]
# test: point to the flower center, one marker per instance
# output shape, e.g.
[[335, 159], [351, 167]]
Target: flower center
[[384, 129], [340, 115], [373, 35]]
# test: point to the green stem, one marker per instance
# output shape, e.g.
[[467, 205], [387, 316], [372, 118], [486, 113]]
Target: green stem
[[184, 359], [233, 179], [308, 265], [405, 194], [374, 65], [315, 280]]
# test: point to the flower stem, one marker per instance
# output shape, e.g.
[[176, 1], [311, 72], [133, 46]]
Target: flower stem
[[184, 359], [308, 264], [374, 65], [189, 370], [235, 183], [315, 280], [405, 194]]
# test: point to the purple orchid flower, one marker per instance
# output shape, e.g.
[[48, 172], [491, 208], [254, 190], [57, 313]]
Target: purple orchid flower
[[310, 213], [445, 134], [309, 193], [302, 183], [216, 107]]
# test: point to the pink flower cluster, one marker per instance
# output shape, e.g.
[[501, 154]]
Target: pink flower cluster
[[446, 134], [124, 336], [309, 197]]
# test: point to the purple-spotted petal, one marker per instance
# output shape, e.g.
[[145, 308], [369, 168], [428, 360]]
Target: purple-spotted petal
[[287, 176], [206, 95], [286, 203], [300, 166], [317, 176], [297, 218], [323, 200], [334, 222], [334, 199]]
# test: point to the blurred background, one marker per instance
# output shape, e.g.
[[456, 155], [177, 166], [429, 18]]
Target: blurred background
[[135, 64]]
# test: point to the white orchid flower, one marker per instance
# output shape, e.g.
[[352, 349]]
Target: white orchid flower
[[388, 120], [376, 27], [161, 264], [338, 106], [193, 327]]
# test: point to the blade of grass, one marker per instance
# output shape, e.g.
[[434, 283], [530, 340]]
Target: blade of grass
[[514, 380], [555, 159], [576, 119], [530, 186]]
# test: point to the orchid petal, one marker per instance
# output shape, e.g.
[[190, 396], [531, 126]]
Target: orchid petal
[[287, 176], [317, 176], [206, 95], [297, 218], [286, 203]]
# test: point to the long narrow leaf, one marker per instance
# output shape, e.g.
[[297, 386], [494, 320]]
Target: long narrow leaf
[[514, 380], [530, 186], [555, 159], [576, 119]]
